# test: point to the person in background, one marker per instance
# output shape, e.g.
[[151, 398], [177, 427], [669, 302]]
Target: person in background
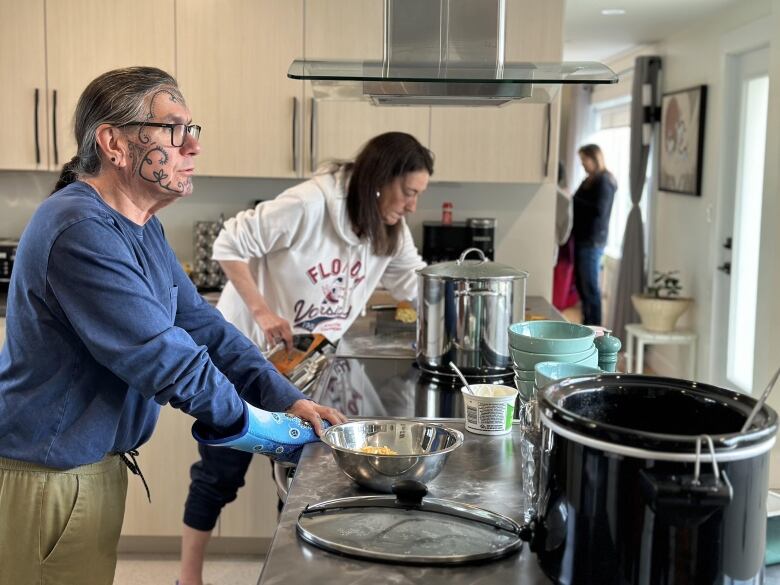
[[564, 290], [103, 329], [592, 207], [307, 262]]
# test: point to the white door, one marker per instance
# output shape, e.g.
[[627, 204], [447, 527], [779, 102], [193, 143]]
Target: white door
[[736, 285]]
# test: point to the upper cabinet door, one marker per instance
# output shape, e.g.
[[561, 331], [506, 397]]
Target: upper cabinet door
[[514, 143], [88, 37], [350, 29], [23, 78], [232, 66]]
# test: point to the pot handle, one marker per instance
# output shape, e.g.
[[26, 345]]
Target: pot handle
[[462, 258], [686, 500]]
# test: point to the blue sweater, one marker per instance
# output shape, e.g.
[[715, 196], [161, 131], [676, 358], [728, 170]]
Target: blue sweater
[[103, 327]]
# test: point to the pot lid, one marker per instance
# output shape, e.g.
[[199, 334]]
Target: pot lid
[[408, 528], [481, 268]]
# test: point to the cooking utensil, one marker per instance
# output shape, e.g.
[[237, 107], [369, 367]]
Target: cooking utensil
[[759, 405], [462, 378], [422, 449], [671, 486], [465, 310]]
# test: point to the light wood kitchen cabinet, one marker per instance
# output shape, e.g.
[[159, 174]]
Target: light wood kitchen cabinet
[[165, 461], [51, 49], [232, 60], [85, 38], [23, 78], [510, 143], [254, 513], [350, 29]]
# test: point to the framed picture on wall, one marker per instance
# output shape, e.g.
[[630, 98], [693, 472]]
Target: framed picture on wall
[[682, 140]]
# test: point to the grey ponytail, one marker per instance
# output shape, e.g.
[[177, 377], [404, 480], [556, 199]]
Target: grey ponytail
[[116, 97]]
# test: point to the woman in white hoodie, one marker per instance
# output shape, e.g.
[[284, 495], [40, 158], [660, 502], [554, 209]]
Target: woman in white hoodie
[[307, 262]]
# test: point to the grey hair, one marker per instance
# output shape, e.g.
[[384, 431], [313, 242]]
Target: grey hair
[[115, 97]]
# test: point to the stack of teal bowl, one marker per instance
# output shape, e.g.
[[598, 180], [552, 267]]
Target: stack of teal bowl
[[533, 342]]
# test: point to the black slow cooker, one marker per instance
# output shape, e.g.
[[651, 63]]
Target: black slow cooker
[[648, 480]]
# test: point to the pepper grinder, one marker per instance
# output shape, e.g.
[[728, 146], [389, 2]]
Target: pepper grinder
[[608, 347]]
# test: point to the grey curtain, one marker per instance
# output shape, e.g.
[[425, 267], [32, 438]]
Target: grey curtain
[[645, 113]]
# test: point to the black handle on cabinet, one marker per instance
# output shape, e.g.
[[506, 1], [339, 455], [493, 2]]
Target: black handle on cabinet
[[37, 141], [54, 125], [725, 267], [313, 133], [546, 168], [295, 135]]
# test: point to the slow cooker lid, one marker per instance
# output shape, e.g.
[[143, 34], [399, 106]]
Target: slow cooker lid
[[654, 413], [407, 528], [473, 269]]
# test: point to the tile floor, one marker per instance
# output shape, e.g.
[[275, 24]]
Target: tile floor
[[136, 569]]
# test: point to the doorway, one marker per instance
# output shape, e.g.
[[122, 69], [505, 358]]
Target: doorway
[[746, 101]]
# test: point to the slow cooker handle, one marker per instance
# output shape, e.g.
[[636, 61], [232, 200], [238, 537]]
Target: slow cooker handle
[[685, 500]]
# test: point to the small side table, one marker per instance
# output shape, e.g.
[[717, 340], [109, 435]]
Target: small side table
[[639, 336]]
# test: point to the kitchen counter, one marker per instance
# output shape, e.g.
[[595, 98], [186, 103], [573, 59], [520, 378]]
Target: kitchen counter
[[484, 471]]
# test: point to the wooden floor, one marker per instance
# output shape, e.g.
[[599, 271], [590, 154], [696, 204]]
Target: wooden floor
[[134, 569]]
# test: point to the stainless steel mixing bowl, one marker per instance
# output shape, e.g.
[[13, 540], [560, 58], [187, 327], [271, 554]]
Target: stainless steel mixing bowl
[[422, 449]]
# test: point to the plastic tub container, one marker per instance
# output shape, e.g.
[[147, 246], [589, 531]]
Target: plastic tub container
[[490, 410]]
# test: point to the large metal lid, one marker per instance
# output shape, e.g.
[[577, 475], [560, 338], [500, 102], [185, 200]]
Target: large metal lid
[[472, 269], [408, 528]]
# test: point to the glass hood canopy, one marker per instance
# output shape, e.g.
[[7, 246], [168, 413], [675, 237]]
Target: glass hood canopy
[[431, 83], [448, 52]]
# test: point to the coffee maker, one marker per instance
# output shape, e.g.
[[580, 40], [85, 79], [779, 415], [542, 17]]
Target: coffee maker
[[443, 242]]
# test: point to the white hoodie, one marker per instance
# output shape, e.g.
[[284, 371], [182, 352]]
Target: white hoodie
[[309, 265]]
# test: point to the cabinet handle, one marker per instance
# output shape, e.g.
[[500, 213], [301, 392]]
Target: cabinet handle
[[37, 141], [295, 135], [313, 145], [546, 162], [54, 125]]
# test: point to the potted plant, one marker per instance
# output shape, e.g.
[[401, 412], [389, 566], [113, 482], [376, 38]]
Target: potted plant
[[661, 305]]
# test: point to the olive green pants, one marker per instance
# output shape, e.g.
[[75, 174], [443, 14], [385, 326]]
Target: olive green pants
[[60, 527]]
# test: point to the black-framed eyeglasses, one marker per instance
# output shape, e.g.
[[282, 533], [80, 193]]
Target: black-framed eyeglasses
[[178, 131]]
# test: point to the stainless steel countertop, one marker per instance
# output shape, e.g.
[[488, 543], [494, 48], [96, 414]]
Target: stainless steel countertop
[[485, 471]]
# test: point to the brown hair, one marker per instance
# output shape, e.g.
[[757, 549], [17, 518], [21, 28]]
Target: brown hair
[[115, 97], [593, 152], [383, 159]]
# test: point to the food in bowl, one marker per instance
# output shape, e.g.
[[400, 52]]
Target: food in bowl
[[422, 449], [378, 450]]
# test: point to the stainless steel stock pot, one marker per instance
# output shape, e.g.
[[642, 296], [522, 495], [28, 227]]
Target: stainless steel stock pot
[[464, 311]]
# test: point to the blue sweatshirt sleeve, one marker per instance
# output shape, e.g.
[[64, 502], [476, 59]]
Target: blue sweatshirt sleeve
[[256, 379], [99, 287]]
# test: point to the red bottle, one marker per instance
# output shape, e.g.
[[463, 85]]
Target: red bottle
[[446, 213]]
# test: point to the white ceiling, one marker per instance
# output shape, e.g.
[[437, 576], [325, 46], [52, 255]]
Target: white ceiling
[[591, 36]]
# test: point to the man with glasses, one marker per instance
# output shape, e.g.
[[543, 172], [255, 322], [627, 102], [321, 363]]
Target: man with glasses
[[103, 328]]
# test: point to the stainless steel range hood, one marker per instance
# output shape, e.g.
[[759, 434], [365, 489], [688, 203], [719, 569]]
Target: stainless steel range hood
[[444, 52]]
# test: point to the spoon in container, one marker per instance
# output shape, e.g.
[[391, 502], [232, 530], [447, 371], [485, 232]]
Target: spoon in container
[[462, 379], [760, 402]]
